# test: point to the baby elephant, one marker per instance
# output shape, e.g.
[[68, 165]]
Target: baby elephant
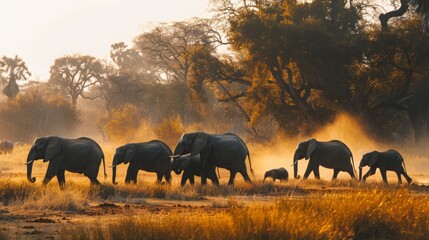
[[390, 160], [279, 173]]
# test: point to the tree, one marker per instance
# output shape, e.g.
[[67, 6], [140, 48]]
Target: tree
[[12, 70], [37, 112], [170, 46], [75, 74], [421, 7], [296, 56]]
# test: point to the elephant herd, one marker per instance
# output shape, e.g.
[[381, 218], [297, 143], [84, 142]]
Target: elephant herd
[[198, 154]]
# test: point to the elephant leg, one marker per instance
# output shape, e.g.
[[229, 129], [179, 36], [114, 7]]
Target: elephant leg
[[131, 174], [409, 180], [307, 172], [159, 178], [245, 176], [231, 177], [399, 178], [316, 172], [352, 174], [383, 175], [336, 171], [167, 177], [192, 179], [184, 179], [95, 182], [215, 181], [61, 178]]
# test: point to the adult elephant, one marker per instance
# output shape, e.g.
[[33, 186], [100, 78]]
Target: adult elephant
[[6, 147], [333, 154], [390, 160], [81, 155], [192, 166], [152, 156], [222, 150]]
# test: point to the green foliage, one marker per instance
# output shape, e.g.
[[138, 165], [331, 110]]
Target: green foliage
[[36, 113]]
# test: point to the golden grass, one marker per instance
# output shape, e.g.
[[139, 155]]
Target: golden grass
[[367, 214]]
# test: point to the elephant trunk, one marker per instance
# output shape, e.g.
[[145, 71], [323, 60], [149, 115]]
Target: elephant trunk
[[295, 166], [30, 160], [114, 175], [115, 162], [360, 173]]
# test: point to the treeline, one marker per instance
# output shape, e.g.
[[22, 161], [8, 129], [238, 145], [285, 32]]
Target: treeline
[[260, 67]]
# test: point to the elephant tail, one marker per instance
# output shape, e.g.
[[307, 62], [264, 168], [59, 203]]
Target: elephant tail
[[104, 167], [403, 164], [250, 164], [353, 164]]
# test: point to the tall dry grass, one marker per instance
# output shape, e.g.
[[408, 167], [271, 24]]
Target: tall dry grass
[[368, 214]]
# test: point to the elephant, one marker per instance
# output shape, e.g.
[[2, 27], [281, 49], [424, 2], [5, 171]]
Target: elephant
[[81, 155], [221, 150], [278, 173], [333, 154], [152, 156], [192, 166], [389, 160], [6, 147]]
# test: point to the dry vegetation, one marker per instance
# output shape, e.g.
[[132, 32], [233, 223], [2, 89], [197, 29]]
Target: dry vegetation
[[366, 214]]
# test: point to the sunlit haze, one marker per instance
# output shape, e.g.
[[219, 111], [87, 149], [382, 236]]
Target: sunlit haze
[[41, 31]]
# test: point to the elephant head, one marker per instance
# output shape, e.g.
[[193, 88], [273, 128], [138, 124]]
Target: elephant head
[[181, 163], [45, 148], [123, 154], [270, 174], [304, 150], [192, 143], [368, 159]]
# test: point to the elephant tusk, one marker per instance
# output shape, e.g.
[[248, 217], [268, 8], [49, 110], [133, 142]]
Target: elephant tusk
[[29, 162], [294, 162], [112, 166], [175, 156]]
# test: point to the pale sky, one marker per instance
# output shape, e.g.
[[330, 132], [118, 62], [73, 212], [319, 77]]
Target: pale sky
[[39, 31]]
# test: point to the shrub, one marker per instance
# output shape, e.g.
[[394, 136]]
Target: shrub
[[170, 130], [36, 113], [122, 122]]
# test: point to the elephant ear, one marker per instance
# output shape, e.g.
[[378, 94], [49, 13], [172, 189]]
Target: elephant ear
[[130, 153], [200, 142], [373, 159], [312, 143], [52, 149]]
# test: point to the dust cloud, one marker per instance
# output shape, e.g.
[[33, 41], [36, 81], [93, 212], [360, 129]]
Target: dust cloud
[[279, 153]]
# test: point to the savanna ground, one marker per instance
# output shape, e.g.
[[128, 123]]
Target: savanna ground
[[297, 209]]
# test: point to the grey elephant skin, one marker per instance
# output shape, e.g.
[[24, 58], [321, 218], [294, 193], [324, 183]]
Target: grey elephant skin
[[222, 150], [6, 147], [152, 156], [192, 166], [390, 160], [333, 154], [82, 155], [278, 173]]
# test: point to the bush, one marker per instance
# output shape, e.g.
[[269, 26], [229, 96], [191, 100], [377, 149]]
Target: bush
[[122, 122], [170, 130], [36, 113]]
